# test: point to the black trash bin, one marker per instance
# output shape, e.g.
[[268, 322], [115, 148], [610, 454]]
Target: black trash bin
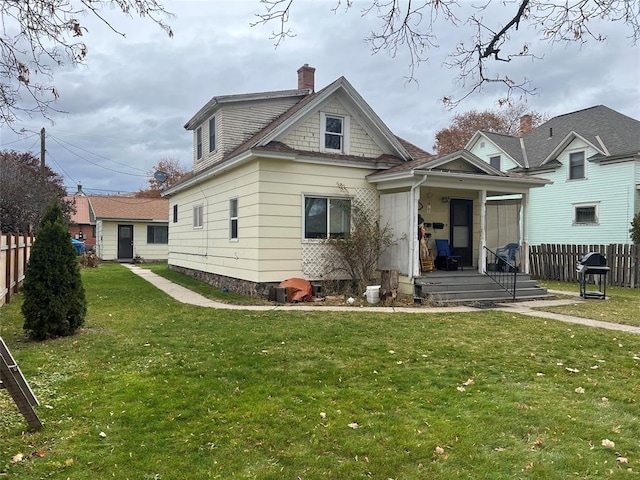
[[594, 264]]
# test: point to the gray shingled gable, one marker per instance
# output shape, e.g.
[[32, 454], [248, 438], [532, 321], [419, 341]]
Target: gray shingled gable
[[619, 134]]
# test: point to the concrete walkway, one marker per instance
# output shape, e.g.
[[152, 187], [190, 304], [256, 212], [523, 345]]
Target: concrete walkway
[[184, 295]]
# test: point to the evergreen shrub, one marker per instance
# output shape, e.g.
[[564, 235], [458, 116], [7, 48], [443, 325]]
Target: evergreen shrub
[[54, 299]]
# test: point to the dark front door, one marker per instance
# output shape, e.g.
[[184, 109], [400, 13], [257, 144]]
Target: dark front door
[[125, 242], [461, 229]]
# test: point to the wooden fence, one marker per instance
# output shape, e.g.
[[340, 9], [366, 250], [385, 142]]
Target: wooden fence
[[14, 254], [558, 262]]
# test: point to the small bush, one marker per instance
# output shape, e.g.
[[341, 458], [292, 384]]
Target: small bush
[[54, 300], [635, 229]]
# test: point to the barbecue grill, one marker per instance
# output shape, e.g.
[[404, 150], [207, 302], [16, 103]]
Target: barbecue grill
[[594, 264]]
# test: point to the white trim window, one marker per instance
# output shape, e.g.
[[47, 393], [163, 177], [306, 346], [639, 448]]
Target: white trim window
[[585, 213], [157, 234], [326, 217], [233, 219], [334, 133], [577, 166], [496, 162], [199, 143], [212, 134], [198, 216]]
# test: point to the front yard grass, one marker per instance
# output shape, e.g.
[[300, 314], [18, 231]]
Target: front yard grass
[[622, 305], [154, 389]]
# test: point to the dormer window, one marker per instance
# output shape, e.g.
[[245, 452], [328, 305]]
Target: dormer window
[[335, 133], [199, 143], [576, 166], [495, 162], [212, 134]]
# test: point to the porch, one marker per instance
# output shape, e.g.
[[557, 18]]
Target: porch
[[464, 286]]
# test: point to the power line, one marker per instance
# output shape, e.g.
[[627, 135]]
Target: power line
[[97, 164], [20, 139], [60, 167]]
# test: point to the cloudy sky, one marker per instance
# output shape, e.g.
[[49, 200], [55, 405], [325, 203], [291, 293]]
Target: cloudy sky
[[126, 107]]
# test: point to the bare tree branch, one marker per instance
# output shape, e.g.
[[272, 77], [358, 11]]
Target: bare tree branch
[[410, 25], [37, 36]]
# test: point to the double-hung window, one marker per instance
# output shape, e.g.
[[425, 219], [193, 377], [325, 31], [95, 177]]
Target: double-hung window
[[233, 219], [495, 162], [212, 134], [334, 133], [576, 166], [197, 216], [585, 214], [326, 217], [157, 234], [199, 143]]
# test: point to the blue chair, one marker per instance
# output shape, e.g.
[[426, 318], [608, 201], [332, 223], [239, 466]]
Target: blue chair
[[506, 257], [446, 260]]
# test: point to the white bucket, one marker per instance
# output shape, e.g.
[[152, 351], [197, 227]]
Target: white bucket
[[373, 293]]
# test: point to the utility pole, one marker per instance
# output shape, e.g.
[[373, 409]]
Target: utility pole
[[42, 150]]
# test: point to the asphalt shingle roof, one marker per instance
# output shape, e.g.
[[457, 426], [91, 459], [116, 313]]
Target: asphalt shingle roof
[[130, 208]]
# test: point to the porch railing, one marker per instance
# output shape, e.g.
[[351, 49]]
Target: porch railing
[[502, 272]]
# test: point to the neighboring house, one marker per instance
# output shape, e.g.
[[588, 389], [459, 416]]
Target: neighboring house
[[274, 171], [82, 225], [129, 228], [592, 158]]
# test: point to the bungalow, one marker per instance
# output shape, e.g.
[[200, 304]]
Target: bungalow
[[273, 172]]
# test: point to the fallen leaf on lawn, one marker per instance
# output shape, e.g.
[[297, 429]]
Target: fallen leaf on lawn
[[439, 450], [537, 442], [391, 352], [579, 390], [608, 443], [595, 367], [68, 461], [102, 435], [41, 453], [353, 425], [572, 370], [323, 415], [622, 460], [469, 382], [17, 458], [604, 400], [460, 389], [540, 374]]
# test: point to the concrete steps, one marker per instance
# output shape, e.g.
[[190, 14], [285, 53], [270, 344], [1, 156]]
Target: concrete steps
[[471, 286]]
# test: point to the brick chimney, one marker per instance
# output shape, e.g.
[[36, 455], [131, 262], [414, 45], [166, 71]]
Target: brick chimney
[[526, 124], [306, 79]]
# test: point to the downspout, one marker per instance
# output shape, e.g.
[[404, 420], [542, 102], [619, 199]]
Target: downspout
[[413, 226]]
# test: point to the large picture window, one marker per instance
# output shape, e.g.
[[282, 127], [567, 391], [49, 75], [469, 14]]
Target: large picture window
[[197, 216], [576, 166], [157, 234], [326, 217]]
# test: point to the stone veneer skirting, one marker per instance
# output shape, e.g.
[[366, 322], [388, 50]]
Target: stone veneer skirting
[[235, 285]]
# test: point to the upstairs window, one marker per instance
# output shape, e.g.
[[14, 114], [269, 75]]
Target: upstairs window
[[212, 134], [335, 133], [233, 219], [495, 162], [326, 217], [175, 213], [197, 216], [585, 214], [199, 143], [576, 166], [157, 234]]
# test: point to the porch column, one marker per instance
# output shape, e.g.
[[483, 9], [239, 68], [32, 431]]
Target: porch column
[[525, 232], [482, 253]]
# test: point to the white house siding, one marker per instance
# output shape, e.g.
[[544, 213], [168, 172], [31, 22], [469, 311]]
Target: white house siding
[[551, 208], [491, 150], [270, 247], [236, 123], [395, 211], [307, 136], [107, 241]]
